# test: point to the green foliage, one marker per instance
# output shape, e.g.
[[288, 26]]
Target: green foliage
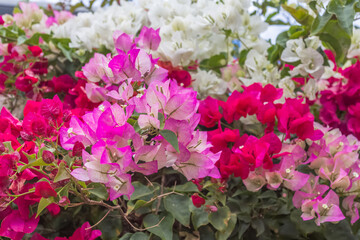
[[172, 204], [171, 137], [161, 225], [44, 202]]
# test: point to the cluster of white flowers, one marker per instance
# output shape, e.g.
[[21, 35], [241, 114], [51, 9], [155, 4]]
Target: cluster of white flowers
[[190, 30]]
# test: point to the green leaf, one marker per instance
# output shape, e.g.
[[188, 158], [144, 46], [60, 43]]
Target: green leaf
[[207, 233], [163, 229], [187, 187], [300, 14], [127, 236], [65, 51], [242, 56], [99, 190], [344, 13], [39, 162], [141, 192], [137, 205], [34, 39], [320, 22], [223, 235], [259, 226], [139, 236], [199, 217], [171, 137], [220, 218], [111, 226], [215, 62], [243, 227], [282, 38], [337, 39], [178, 206], [44, 202], [62, 174], [341, 230], [305, 227], [162, 120], [312, 5]]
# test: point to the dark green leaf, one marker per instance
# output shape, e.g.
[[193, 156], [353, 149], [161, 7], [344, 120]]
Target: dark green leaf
[[206, 233], [220, 218], [259, 226], [141, 192], [187, 187], [171, 137], [338, 231], [178, 206], [199, 217], [139, 236], [163, 229], [243, 227], [99, 190], [223, 235]]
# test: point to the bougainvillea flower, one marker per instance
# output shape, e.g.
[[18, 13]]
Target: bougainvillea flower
[[44, 189]]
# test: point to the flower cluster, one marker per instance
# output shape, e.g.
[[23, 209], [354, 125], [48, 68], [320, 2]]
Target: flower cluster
[[163, 110]]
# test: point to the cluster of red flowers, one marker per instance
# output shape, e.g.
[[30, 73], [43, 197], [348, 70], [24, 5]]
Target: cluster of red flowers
[[242, 154]]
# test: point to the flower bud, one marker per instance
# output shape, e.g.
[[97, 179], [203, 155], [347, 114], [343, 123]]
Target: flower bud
[[48, 157], [77, 150]]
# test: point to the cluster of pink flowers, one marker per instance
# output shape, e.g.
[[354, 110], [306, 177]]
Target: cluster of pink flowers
[[141, 92]]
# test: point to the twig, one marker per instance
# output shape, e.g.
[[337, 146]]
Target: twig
[[102, 219], [161, 192]]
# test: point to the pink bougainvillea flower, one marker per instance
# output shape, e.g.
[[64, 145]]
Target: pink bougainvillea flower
[[352, 208], [15, 225], [149, 38]]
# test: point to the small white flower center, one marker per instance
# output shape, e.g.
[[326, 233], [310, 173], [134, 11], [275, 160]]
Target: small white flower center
[[355, 174], [325, 206], [288, 170], [70, 130], [101, 107]]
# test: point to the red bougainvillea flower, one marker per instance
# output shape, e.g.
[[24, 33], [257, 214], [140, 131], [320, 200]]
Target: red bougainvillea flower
[[35, 50], [44, 189], [197, 200], [182, 77], [209, 110], [25, 83]]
